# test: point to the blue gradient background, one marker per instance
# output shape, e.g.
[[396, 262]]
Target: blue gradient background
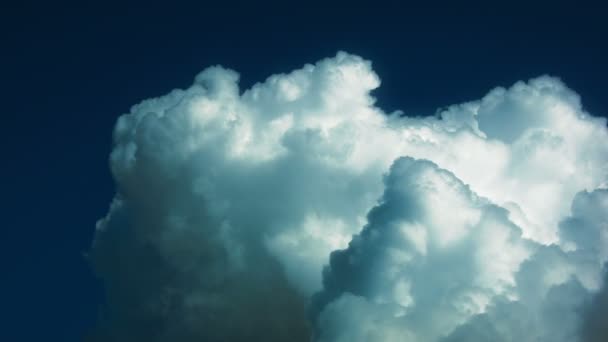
[[69, 69]]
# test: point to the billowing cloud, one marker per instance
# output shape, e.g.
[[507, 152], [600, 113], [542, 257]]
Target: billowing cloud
[[297, 209]]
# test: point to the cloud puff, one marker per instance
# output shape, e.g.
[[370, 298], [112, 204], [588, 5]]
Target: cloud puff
[[297, 208], [461, 274], [433, 254]]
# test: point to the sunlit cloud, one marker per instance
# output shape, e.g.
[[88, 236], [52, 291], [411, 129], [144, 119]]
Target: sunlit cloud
[[298, 209]]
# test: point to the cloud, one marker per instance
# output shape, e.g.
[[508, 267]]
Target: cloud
[[432, 255], [298, 208], [462, 274]]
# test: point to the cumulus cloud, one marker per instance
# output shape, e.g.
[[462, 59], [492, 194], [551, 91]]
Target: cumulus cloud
[[298, 210]]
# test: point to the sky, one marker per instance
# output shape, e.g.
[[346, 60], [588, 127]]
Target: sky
[[71, 70]]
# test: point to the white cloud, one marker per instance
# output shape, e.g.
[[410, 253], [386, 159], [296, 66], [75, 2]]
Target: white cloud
[[464, 266], [230, 202]]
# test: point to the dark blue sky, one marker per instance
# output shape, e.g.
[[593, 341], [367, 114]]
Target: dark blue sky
[[69, 70]]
